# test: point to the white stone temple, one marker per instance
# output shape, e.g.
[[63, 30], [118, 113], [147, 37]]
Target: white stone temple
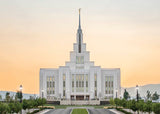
[[79, 79]]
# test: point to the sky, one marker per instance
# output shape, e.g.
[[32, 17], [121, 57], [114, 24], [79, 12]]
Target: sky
[[38, 34]]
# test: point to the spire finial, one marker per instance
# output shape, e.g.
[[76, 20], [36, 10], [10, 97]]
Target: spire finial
[[79, 18]]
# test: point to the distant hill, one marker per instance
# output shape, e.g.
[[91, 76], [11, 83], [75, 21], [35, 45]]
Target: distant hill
[[143, 90], [25, 96]]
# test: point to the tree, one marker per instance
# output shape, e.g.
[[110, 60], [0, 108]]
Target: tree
[[149, 106], [7, 96], [134, 105], [18, 107], [25, 104], [31, 97], [0, 97], [140, 105], [116, 100], [111, 101], [4, 108], [126, 95], [156, 108], [129, 104], [145, 107], [44, 101], [19, 95], [12, 107], [124, 103], [148, 95], [155, 96], [139, 97]]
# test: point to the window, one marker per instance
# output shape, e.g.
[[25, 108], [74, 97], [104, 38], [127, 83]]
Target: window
[[63, 93], [53, 91], [86, 83], [50, 85], [72, 83], [109, 85], [79, 59], [79, 82], [64, 85], [95, 84]]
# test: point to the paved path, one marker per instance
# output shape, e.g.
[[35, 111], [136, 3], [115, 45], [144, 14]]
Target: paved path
[[59, 111], [99, 111], [90, 110]]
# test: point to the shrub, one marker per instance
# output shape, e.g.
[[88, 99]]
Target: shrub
[[156, 108], [120, 109]]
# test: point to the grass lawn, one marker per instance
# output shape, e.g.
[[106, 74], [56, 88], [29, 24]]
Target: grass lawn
[[65, 106], [79, 111]]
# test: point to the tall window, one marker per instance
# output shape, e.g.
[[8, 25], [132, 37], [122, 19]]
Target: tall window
[[79, 82], [50, 85], [72, 83], [82, 83], [95, 85], [64, 85], [76, 83], [53, 84], [79, 59], [109, 85], [86, 82]]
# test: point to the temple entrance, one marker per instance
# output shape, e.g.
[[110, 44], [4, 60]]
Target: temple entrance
[[72, 97], [87, 97], [79, 97]]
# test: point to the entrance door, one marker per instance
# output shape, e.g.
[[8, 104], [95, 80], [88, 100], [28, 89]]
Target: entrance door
[[72, 97], [87, 97], [79, 97]]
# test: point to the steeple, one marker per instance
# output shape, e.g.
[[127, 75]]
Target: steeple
[[79, 34], [79, 18]]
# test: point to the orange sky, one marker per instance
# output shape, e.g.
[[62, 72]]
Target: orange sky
[[40, 34]]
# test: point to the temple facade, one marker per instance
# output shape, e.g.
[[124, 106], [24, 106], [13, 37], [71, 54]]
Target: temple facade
[[79, 79]]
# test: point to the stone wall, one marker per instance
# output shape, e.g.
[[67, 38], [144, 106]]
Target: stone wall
[[80, 102]]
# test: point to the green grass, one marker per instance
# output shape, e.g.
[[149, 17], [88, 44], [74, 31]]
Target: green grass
[[65, 106], [79, 111]]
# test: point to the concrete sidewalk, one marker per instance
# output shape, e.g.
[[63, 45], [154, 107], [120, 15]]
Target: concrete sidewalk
[[115, 111], [43, 111]]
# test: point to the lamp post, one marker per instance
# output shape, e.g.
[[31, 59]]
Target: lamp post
[[42, 93], [137, 96], [42, 97], [116, 97], [21, 88]]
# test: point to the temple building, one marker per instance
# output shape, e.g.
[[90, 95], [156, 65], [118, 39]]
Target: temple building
[[79, 79]]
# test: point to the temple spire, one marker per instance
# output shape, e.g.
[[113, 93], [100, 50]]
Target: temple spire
[[79, 33], [79, 18]]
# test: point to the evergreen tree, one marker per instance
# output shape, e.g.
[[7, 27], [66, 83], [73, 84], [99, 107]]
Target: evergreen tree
[[148, 95], [19, 95], [111, 101], [134, 105], [156, 108], [126, 95], [140, 105], [149, 106], [0, 97], [155, 96], [7, 96]]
